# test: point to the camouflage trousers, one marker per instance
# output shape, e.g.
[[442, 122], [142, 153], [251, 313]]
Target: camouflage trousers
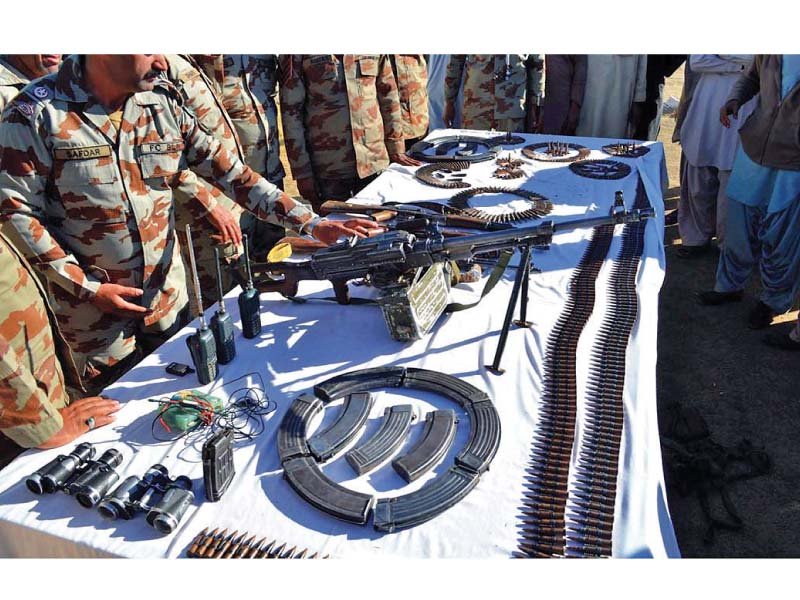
[[99, 340], [483, 122], [340, 189]]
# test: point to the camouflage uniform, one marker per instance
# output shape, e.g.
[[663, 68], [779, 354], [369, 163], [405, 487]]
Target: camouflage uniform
[[247, 84], [199, 97], [411, 73], [33, 386], [11, 82], [88, 204], [492, 101], [341, 119]]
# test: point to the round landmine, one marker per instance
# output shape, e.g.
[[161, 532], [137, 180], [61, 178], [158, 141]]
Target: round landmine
[[556, 152]]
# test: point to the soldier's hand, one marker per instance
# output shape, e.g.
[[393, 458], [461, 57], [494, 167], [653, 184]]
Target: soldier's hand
[[225, 223], [328, 231], [75, 416], [110, 298], [308, 189], [449, 114], [404, 159], [731, 107]]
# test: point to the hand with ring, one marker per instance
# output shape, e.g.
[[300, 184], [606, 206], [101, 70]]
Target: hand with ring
[[82, 416]]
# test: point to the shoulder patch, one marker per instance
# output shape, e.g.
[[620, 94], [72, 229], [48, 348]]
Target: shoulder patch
[[41, 92], [26, 108]]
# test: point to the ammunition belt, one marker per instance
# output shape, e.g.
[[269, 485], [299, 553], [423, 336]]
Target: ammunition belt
[[600, 169], [221, 544], [443, 174], [624, 150], [543, 527], [444, 146], [540, 205], [595, 484], [559, 519], [390, 514], [532, 151]]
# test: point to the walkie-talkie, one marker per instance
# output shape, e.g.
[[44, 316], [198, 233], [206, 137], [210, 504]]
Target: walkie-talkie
[[201, 344], [221, 322], [249, 301]]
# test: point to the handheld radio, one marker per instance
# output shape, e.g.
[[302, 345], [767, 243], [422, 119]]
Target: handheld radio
[[221, 323], [249, 301], [201, 344]]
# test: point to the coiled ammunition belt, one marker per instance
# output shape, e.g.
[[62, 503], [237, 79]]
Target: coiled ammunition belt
[[540, 205], [601, 169], [533, 151], [443, 174], [390, 514]]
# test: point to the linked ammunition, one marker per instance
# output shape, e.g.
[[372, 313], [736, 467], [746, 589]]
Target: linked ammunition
[[224, 545]]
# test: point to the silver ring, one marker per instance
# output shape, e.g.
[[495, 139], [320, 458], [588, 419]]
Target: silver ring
[[90, 423]]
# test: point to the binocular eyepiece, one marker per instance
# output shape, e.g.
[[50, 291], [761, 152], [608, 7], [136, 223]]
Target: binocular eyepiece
[[136, 494], [55, 474], [91, 485]]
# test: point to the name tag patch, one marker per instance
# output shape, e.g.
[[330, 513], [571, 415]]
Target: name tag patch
[[161, 147], [82, 153]]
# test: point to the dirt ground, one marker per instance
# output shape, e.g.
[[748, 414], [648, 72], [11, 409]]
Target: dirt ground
[[710, 360]]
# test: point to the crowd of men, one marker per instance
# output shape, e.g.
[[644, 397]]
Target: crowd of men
[[105, 158]]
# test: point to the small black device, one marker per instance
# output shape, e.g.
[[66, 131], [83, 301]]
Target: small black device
[[180, 369], [201, 345], [249, 301], [221, 322], [218, 470]]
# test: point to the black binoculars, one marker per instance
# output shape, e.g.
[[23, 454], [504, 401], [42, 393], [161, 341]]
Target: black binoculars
[[141, 494], [78, 475], [55, 474]]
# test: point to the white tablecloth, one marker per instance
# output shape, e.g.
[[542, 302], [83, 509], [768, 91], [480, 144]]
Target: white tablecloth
[[302, 345]]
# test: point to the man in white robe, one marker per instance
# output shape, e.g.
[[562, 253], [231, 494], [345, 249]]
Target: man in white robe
[[614, 84], [709, 150]]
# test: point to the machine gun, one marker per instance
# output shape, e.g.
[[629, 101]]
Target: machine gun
[[412, 273]]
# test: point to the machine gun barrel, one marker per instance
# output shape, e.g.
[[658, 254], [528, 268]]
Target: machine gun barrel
[[468, 246]]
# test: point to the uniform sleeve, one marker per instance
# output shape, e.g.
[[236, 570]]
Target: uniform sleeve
[[245, 187], [453, 75], [715, 63], [203, 194], [578, 88], [389, 102], [640, 90], [26, 414], [293, 101], [534, 67], [25, 165], [748, 84]]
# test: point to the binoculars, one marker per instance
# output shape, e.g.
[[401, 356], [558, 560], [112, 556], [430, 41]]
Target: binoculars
[[78, 475], [163, 499]]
